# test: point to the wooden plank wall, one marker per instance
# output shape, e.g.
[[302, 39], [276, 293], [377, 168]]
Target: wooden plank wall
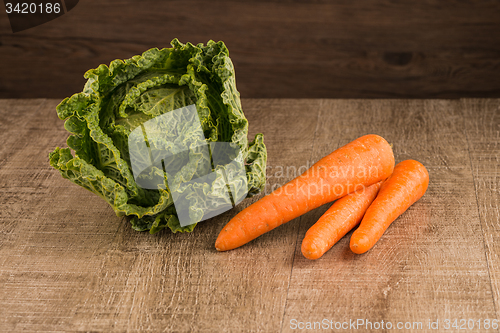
[[281, 49]]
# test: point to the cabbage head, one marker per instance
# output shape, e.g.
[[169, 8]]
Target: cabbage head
[[119, 98]]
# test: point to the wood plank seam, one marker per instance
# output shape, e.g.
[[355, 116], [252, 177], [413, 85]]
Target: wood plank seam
[[300, 220]]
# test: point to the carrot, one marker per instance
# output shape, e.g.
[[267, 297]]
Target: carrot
[[363, 162], [338, 220], [402, 189]]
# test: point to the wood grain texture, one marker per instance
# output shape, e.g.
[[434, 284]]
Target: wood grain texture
[[67, 263], [281, 49], [482, 120]]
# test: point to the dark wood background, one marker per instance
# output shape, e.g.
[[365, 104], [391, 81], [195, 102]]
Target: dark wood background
[[281, 49]]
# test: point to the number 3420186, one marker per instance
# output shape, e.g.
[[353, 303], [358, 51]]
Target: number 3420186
[[33, 8]]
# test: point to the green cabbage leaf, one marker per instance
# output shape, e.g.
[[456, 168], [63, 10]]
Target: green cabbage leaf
[[119, 98]]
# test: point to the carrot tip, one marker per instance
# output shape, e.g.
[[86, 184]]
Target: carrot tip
[[218, 247], [355, 249], [311, 254], [361, 245]]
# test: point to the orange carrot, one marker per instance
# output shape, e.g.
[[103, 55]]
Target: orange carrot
[[363, 162], [339, 219], [404, 187]]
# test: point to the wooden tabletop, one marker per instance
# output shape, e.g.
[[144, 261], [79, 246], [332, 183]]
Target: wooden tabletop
[[67, 263]]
